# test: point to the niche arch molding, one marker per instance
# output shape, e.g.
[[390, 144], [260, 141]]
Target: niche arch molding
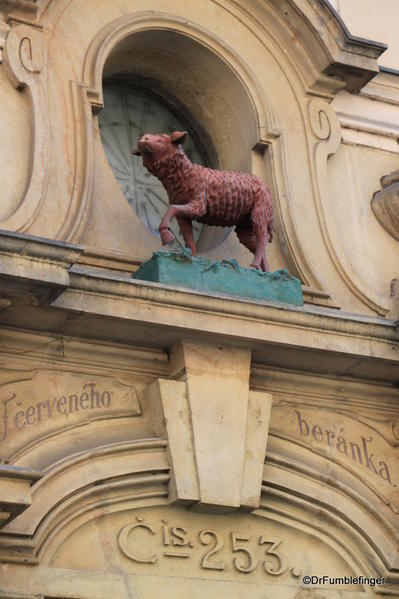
[[245, 124], [262, 143], [127, 29]]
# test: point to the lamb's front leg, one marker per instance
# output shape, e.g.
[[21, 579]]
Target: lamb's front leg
[[186, 229], [191, 211]]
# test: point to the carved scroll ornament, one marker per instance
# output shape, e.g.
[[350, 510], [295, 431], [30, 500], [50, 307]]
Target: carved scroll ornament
[[25, 64]]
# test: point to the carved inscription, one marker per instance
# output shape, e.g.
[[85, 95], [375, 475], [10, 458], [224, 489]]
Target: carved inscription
[[14, 416], [243, 553], [359, 450]]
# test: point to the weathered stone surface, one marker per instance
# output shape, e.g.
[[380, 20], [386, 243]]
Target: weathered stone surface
[[170, 417], [15, 494], [385, 204], [327, 483], [182, 269], [203, 555]]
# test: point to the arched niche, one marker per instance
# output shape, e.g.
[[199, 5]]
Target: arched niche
[[207, 92], [198, 83], [188, 79]]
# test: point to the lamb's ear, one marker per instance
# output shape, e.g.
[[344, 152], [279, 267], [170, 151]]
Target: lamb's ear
[[178, 137]]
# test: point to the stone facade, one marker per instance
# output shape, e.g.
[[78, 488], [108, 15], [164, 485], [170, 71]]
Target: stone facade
[[159, 441]]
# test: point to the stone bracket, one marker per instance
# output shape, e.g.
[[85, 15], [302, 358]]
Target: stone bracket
[[216, 428]]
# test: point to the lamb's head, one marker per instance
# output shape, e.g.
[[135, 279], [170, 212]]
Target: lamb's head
[[155, 148]]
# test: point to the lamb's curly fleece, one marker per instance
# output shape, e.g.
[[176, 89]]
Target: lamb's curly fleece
[[229, 198]]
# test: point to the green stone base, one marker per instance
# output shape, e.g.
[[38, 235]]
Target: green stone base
[[180, 268]]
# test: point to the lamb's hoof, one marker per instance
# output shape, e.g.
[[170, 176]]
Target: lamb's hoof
[[166, 236], [256, 266]]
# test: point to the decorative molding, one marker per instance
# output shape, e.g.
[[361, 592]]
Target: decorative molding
[[287, 222], [15, 494], [326, 128], [343, 329], [367, 122], [318, 298], [42, 405], [4, 31], [334, 58], [88, 100], [348, 471], [384, 87], [124, 473], [291, 455], [302, 502], [32, 251], [354, 59], [341, 393], [25, 60], [33, 350], [337, 518], [80, 200]]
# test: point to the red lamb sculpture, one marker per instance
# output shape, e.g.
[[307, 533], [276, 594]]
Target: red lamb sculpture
[[218, 198]]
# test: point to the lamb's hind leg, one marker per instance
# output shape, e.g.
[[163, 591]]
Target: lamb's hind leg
[[249, 238], [246, 236], [264, 264], [261, 234], [259, 260]]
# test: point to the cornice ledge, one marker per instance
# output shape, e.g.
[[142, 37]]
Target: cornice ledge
[[384, 87], [321, 318], [307, 338], [36, 259], [39, 247], [350, 58], [26, 11]]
